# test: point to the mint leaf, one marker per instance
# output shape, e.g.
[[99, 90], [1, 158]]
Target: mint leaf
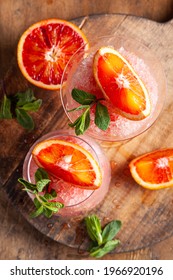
[[53, 193], [79, 108], [110, 230], [25, 97], [50, 196], [58, 204], [99, 252], [94, 230], [42, 184], [78, 120], [54, 206], [32, 106], [38, 212], [5, 110], [102, 118], [24, 119], [48, 213], [83, 97], [41, 174], [37, 203], [42, 199], [82, 123], [27, 184]]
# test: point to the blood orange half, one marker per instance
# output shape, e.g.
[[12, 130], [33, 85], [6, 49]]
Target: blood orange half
[[69, 162], [120, 84], [153, 170], [45, 48]]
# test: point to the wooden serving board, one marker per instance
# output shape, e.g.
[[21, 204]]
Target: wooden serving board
[[146, 215]]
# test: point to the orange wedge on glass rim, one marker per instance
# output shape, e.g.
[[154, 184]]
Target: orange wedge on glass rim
[[69, 162], [153, 170], [120, 84], [45, 48]]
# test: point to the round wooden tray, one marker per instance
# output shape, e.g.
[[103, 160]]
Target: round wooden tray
[[146, 215]]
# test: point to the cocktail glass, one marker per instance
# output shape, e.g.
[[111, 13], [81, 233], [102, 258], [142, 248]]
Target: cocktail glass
[[77, 201], [79, 74]]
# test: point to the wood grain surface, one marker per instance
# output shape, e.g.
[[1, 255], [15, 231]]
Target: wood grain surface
[[159, 38]]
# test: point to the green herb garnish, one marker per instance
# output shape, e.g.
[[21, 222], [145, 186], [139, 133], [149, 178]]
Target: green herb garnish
[[43, 202], [5, 109], [87, 100], [103, 241], [18, 106]]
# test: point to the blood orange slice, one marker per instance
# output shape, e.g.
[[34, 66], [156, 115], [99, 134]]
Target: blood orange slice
[[69, 162], [45, 48], [120, 84], [153, 170]]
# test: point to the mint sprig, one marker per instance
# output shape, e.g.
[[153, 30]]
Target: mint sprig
[[103, 239], [18, 106], [87, 100], [44, 200]]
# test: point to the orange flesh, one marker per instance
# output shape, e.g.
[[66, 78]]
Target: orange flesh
[[79, 171], [120, 84], [47, 49], [156, 168]]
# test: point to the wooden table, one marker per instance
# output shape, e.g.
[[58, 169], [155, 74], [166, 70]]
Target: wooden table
[[19, 240]]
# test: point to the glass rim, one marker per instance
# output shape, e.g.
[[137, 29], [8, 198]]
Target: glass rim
[[116, 138], [51, 135]]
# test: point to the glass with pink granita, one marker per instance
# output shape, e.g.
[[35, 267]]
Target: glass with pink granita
[[81, 76], [76, 200]]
